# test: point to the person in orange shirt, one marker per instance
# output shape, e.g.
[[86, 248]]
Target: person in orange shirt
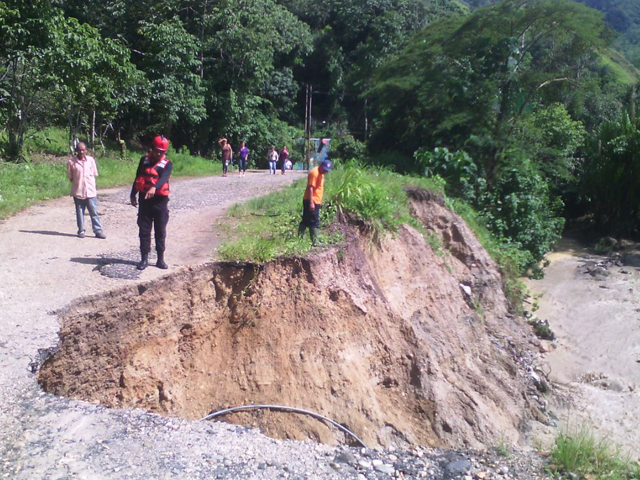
[[312, 200]]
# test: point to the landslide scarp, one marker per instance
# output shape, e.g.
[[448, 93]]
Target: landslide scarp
[[402, 343]]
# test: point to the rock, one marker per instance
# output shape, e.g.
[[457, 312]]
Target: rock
[[481, 475], [364, 464], [347, 457], [377, 463], [545, 346], [384, 468], [458, 467]]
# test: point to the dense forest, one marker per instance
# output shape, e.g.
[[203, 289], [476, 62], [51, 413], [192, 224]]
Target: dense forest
[[524, 109]]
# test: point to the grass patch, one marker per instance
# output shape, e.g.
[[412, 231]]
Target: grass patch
[[44, 175], [583, 455], [623, 70], [266, 228]]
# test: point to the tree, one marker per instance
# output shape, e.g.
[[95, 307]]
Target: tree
[[25, 30], [171, 65], [469, 82], [100, 79], [611, 180]]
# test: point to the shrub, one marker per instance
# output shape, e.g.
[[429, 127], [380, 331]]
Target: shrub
[[519, 209], [348, 148], [457, 168]]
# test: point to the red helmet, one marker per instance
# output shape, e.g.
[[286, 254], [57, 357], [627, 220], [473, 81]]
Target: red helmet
[[161, 143]]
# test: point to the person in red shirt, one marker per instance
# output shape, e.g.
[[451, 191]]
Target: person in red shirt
[[152, 188], [227, 154], [312, 200]]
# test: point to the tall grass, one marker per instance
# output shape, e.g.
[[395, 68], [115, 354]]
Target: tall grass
[[582, 454], [266, 228]]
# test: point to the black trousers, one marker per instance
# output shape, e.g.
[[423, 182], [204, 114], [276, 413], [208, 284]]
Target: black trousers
[[153, 212], [310, 218]]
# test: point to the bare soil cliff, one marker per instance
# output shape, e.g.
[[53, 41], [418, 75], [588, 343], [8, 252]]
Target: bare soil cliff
[[400, 342]]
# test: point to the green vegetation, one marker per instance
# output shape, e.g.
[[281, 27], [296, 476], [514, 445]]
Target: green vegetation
[[611, 179], [266, 228], [583, 455]]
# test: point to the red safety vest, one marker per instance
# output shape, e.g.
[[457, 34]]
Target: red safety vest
[[150, 177]]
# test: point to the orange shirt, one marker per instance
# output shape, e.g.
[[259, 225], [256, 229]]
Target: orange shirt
[[316, 180]]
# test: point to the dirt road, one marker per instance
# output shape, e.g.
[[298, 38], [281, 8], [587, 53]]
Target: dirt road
[[592, 305], [44, 267]]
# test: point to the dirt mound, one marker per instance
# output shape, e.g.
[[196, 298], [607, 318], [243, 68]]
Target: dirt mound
[[404, 343]]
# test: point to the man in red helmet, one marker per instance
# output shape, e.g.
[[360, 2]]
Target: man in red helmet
[[152, 188]]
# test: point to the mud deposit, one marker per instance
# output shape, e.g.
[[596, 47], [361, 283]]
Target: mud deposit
[[402, 343]]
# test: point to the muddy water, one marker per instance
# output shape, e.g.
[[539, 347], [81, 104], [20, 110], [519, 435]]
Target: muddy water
[[596, 359]]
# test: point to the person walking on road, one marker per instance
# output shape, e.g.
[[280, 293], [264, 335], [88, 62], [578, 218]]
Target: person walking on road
[[312, 200], [283, 156], [227, 153], [272, 157], [82, 172], [152, 188], [244, 156]]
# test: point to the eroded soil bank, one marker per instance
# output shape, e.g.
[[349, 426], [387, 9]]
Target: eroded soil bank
[[402, 343]]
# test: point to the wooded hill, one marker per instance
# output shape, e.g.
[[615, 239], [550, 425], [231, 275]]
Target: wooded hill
[[621, 15]]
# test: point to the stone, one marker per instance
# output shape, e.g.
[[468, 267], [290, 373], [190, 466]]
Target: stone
[[458, 467], [347, 457], [384, 468]]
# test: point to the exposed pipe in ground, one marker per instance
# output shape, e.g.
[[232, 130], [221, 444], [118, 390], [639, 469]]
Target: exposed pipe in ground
[[284, 409]]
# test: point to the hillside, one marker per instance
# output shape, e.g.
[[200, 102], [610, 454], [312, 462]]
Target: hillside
[[621, 15]]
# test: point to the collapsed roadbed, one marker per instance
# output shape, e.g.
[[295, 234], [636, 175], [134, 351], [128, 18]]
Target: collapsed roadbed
[[402, 342]]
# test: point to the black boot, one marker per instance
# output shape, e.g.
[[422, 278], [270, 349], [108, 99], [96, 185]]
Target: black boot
[[144, 262], [301, 228], [313, 233], [160, 263]]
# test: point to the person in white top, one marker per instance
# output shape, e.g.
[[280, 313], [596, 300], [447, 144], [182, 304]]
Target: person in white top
[[272, 157], [82, 172]]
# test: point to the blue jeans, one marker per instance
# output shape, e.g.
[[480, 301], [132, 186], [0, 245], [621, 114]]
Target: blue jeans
[[272, 167], [92, 205]]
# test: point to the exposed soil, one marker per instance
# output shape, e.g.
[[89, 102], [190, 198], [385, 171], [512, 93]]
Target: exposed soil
[[402, 343]]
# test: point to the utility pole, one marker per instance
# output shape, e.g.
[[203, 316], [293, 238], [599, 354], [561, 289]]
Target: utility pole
[[307, 123], [366, 122]]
